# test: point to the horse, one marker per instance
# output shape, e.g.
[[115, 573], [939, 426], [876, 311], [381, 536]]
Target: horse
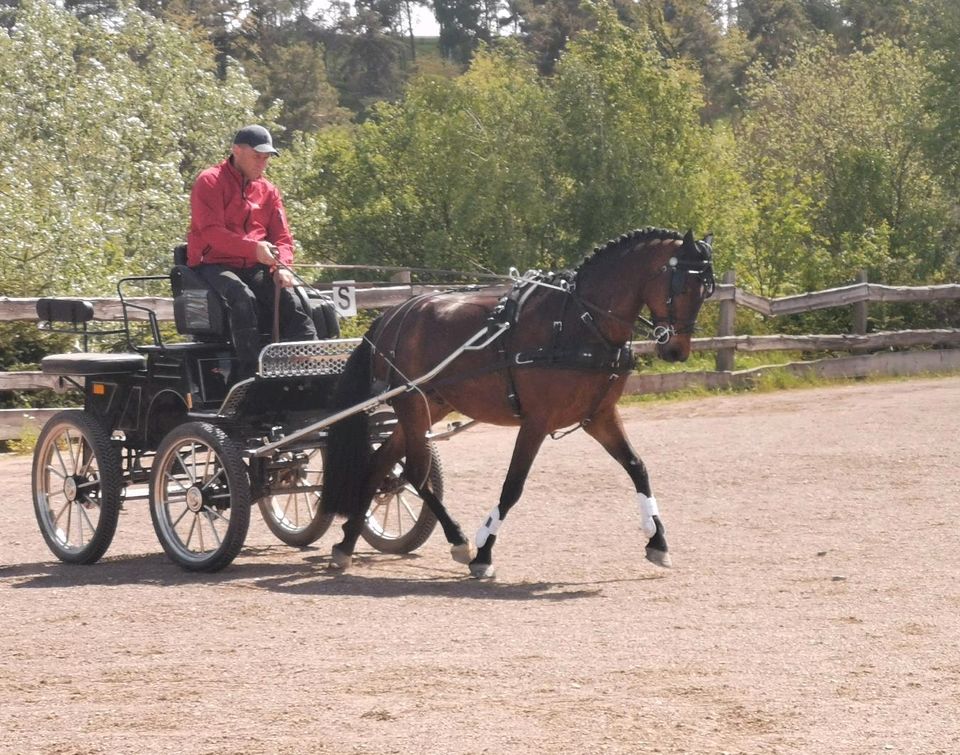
[[556, 357]]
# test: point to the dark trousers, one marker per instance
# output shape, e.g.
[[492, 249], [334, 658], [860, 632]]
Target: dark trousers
[[249, 293]]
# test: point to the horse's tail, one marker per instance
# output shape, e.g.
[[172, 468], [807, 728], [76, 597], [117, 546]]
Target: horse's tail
[[346, 465]]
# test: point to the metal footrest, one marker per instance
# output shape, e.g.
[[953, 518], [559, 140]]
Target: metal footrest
[[296, 358]]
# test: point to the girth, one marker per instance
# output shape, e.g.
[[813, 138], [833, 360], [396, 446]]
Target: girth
[[592, 358]]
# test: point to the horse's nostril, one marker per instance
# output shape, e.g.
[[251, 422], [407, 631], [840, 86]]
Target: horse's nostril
[[672, 354]]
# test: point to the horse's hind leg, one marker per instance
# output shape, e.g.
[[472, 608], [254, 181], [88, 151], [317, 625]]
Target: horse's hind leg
[[607, 429], [528, 443], [416, 423], [382, 460]]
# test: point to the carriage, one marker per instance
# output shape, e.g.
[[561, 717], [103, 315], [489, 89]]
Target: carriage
[[163, 422], [309, 436]]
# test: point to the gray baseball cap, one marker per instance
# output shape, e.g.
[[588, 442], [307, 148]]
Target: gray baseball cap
[[257, 137]]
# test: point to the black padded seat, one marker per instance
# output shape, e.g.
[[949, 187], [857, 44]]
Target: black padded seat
[[92, 364]]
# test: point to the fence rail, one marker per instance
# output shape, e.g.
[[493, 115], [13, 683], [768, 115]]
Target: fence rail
[[106, 308], [863, 346]]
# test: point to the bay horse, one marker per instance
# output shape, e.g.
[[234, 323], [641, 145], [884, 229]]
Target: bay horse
[[561, 361]]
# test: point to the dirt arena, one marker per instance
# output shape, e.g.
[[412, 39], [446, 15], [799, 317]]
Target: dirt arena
[[812, 608]]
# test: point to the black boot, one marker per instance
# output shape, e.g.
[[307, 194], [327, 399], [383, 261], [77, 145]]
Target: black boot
[[247, 344]]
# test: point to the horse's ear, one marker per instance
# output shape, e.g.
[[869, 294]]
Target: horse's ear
[[705, 247], [689, 242]]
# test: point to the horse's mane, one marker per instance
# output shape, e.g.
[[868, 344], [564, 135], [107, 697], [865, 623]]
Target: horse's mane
[[631, 238]]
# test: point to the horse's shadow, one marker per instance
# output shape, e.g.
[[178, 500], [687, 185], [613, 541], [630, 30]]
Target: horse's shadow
[[312, 576]]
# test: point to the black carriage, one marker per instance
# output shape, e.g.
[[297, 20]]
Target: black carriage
[[163, 422]]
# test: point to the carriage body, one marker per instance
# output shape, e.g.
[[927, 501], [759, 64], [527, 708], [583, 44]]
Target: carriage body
[[163, 422]]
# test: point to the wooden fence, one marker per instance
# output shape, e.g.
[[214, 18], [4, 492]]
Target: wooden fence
[[903, 352]]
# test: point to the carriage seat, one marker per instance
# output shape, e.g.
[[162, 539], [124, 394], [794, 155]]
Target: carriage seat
[[200, 312], [75, 317], [88, 364]]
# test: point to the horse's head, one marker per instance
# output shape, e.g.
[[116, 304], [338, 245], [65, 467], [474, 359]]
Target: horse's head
[[682, 279]]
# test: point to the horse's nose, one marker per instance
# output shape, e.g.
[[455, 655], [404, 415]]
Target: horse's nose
[[673, 352]]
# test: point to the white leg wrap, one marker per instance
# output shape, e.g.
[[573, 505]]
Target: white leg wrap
[[489, 527], [647, 508]]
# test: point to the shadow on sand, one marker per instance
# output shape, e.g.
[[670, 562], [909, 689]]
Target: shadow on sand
[[374, 575]]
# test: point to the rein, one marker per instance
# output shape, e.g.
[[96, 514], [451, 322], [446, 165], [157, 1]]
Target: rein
[[661, 329]]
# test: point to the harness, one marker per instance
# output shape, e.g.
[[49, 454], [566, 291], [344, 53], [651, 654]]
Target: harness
[[596, 354], [599, 354]]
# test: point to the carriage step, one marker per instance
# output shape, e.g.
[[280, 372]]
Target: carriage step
[[296, 358]]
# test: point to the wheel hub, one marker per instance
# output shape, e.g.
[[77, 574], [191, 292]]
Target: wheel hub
[[70, 488], [194, 499]]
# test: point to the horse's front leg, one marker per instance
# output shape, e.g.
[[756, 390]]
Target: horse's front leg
[[607, 429], [528, 443]]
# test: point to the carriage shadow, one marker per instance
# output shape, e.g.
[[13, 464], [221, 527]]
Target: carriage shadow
[[374, 576]]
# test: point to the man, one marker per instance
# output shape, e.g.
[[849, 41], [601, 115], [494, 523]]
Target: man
[[238, 233]]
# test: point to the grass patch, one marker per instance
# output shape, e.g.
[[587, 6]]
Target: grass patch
[[778, 379]]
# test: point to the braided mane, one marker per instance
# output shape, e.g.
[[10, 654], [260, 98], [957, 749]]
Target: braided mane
[[630, 238]]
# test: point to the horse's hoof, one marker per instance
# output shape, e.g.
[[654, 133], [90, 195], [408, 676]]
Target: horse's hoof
[[482, 571], [660, 558], [461, 553], [339, 559]]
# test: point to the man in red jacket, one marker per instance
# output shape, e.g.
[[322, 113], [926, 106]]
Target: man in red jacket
[[238, 233]]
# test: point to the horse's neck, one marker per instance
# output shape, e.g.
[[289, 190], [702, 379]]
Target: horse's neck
[[615, 290]]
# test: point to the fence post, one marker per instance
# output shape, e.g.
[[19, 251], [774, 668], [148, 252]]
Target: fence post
[[726, 324], [401, 277], [860, 309]]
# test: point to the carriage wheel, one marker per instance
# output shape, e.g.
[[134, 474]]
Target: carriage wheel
[[77, 486], [296, 518], [199, 497], [398, 520]]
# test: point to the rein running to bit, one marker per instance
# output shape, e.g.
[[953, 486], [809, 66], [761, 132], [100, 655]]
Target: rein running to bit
[[659, 333]]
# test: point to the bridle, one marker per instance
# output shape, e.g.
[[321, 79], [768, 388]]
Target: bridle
[[664, 328]]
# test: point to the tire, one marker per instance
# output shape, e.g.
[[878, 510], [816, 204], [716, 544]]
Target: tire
[[199, 497], [296, 518], [77, 487], [398, 520]]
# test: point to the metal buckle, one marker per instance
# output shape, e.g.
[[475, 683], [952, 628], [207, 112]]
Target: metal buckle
[[662, 333]]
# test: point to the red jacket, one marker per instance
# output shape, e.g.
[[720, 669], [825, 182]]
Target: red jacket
[[229, 215]]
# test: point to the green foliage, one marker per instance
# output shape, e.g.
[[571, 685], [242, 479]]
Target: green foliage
[[631, 146], [103, 126], [830, 148], [458, 172], [503, 167], [940, 35]]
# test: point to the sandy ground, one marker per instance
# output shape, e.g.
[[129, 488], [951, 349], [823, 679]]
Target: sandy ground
[[812, 608]]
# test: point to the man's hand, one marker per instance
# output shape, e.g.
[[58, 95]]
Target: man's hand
[[266, 253], [284, 277]]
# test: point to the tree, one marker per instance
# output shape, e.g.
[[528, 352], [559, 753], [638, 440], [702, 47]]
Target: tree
[[631, 141], [775, 27], [864, 19], [692, 30], [831, 145], [502, 167], [940, 42], [457, 173], [104, 126]]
